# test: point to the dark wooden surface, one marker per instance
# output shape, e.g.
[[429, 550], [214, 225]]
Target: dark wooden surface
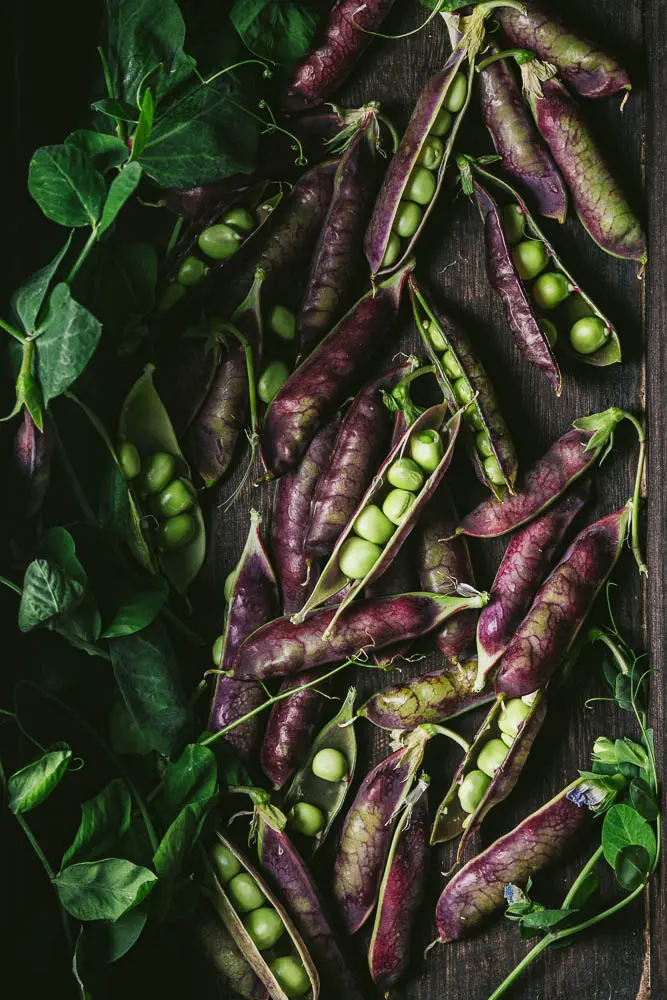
[[614, 961]]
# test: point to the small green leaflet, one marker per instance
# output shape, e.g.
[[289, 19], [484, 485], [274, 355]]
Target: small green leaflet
[[144, 125], [66, 186], [33, 784], [137, 604], [192, 778], [103, 890], [278, 30], [122, 282], [125, 735], [174, 851], [122, 187], [28, 300], [643, 800], [120, 111], [632, 866], [624, 827], [106, 151], [53, 583], [104, 820], [67, 342]]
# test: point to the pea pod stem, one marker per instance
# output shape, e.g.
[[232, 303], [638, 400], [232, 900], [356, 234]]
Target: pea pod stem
[[521, 56], [8, 328]]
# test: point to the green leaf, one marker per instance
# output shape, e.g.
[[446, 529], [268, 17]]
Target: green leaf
[[106, 151], [588, 887], [632, 867], [67, 342], [137, 605], [48, 591], [543, 921], [103, 942], [81, 625], [66, 186], [120, 111], [147, 674], [33, 784], [123, 278], [278, 30], [624, 827], [125, 735], [628, 752], [192, 778], [104, 820], [103, 890], [145, 124], [643, 800], [28, 300], [176, 845], [122, 187]]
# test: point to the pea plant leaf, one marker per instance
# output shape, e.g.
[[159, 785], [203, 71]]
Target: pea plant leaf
[[66, 185], [102, 942], [624, 827], [632, 866], [106, 151], [144, 125], [34, 783], [137, 604], [66, 343], [81, 625], [175, 848], [124, 734], [643, 799], [121, 189], [191, 778], [29, 298], [278, 30], [104, 820], [54, 583], [122, 279], [120, 111], [103, 890]]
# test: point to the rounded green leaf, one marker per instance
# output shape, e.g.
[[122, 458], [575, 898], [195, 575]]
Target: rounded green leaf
[[34, 783], [103, 890], [624, 827], [66, 186]]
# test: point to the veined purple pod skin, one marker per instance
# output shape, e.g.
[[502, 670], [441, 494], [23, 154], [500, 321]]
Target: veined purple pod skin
[[32, 455], [477, 891], [320, 385], [281, 649], [338, 261], [529, 338], [525, 564], [597, 197], [517, 142], [561, 606], [290, 729], [401, 894], [586, 70], [363, 434], [254, 601], [347, 33]]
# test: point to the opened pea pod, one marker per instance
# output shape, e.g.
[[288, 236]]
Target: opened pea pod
[[464, 383]]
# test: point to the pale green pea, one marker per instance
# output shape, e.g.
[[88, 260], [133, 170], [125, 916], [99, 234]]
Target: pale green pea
[[493, 471], [483, 444], [396, 505], [550, 289], [514, 223], [219, 241], [373, 525], [226, 864], [392, 251], [177, 497], [530, 257], [306, 819], [177, 531], [442, 123], [451, 365], [291, 975], [240, 218], [434, 334], [471, 790], [588, 335], [129, 459], [406, 475], [421, 186], [427, 450], [407, 219], [244, 893], [272, 380], [457, 93], [512, 716], [282, 322], [264, 927], [491, 756], [357, 557], [191, 271], [330, 765], [463, 391], [216, 651], [157, 471], [431, 153]]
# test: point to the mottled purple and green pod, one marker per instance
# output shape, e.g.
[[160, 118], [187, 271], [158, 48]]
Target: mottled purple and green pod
[[477, 891], [32, 454], [584, 68], [526, 562], [401, 892], [226, 958], [320, 385], [290, 728], [598, 199], [253, 602], [561, 605], [567, 460]]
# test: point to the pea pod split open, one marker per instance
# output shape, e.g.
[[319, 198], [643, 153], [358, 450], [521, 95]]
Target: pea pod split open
[[290, 728], [221, 950]]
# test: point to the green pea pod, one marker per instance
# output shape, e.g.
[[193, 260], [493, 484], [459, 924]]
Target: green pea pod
[[332, 579], [234, 925], [482, 415], [222, 952], [328, 796], [145, 422]]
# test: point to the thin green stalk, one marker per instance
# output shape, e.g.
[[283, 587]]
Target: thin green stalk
[[521, 55], [16, 334], [120, 126], [253, 436], [175, 233], [636, 495], [88, 246], [450, 734], [588, 867]]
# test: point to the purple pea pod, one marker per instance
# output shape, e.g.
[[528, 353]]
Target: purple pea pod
[[346, 34], [464, 381], [473, 791], [431, 698], [400, 578], [366, 836], [602, 207], [524, 566], [219, 948], [567, 460], [338, 260], [401, 891], [478, 890], [444, 564], [333, 577], [190, 203], [185, 374], [363, 434], [290, 729], [32, 455], [561, 605], [320, 385], [253, 601], [281, 648], [585, 68]]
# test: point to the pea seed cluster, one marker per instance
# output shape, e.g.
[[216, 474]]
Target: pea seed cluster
[[261, 920], [282, 324], [551, 290], [171, 499], [422, 182], [330, 765]]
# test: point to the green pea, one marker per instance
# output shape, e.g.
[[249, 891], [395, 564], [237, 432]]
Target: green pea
[[491, 757], [177, 531], [550, 289], [549, 330], [374, 526], [330, 765], [457, 93], [427, 450], [408, 217], [483, 444], [357, 557], [173, 294], [392, 251], [157, 471], [406, 475], [272, 380], [264, 927], [471, 790], [514, 223], [130, 463], [244, 893], [507, 739], [240, 219], [228, 589], [588, 335], [434, 334], [463, 391], [191, 271], [473, 419], [431, 153], [306, 819], [493, 471], [530, 257], [512, 716], [451, 365], [291, 975], [442, 123], [421, 186], [396, 505], [216, 651], [227, 865], [219, 241], [177, 497], [283, 322]]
